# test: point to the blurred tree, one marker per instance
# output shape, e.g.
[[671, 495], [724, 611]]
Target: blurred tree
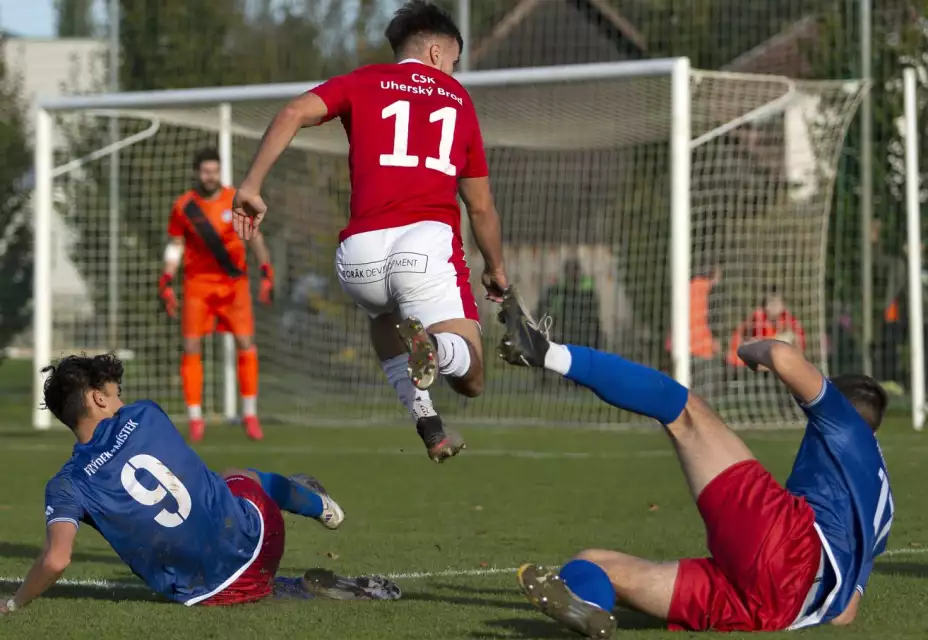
[[75, 18], [15, 231]]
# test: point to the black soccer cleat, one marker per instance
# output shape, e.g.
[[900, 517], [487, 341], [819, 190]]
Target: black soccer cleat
[[526, 341], [547, 592], [322, 583], [441, 443]]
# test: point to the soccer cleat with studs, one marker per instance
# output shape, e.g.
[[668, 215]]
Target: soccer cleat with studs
[[441, 443], [322, 583], [547, 592], [423, 360], [332, 514], [526, 341]]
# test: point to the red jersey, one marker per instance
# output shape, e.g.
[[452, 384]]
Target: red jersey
[[412, 133], [211, 247]]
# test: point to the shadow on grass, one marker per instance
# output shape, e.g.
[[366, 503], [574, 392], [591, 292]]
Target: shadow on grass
[[467, 600], [91, 592], [541, 627], [915, 569], [30, 551]]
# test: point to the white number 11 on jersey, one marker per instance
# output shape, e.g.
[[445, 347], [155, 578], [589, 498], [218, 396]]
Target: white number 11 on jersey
[[400, 157]]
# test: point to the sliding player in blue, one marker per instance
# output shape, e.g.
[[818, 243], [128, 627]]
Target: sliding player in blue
[[781, 558], [190, 534]]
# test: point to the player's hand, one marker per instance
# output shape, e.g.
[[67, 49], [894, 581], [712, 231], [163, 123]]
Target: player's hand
[[166, 293], [496, 284], [753, 366], [266, 293], [248, 211], [5, 607]]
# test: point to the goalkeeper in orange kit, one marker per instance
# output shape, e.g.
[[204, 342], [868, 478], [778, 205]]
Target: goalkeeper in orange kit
[[215, 287]]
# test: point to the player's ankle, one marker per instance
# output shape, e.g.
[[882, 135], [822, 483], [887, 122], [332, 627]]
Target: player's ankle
[[557, 358]]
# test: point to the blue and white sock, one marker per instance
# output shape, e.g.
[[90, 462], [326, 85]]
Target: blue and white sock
[[290, 496], [589, 582], [620, 382]]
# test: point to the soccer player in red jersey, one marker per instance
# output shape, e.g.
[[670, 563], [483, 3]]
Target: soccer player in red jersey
[[215, 287], [415, 144]]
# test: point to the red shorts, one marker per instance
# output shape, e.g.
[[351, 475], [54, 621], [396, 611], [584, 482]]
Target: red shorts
[[257, 581], [210, 305], [765, 555]]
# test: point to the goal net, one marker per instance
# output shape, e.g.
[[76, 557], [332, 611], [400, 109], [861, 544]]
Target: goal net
[[595, 214]]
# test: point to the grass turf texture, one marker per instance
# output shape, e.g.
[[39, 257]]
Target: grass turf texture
[[517, 494]]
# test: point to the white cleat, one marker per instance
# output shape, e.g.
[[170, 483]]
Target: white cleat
[[332, 514]]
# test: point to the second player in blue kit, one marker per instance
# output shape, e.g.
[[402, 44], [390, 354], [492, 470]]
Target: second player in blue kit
[[781, 557]]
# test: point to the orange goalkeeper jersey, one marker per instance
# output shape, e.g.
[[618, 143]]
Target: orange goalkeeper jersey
[[212, 250]]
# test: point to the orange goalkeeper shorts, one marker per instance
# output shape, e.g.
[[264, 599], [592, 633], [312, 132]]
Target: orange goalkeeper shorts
[[211, 305]]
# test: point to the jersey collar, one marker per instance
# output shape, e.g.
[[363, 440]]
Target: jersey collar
[[408, 60]]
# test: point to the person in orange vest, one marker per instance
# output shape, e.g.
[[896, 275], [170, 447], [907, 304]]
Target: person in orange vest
[[770, 320], [704, 348]]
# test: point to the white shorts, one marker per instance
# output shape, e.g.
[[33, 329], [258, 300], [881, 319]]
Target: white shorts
[[418, 270]]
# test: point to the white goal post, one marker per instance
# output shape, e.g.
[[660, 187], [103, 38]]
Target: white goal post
[[639, 176], [913, 205]]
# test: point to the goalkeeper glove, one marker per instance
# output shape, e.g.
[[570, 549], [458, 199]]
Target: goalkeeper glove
[[266, 293], [166, 293]]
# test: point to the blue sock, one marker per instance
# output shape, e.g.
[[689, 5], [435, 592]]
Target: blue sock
[[290, 496], [589, 583], [627, 385]]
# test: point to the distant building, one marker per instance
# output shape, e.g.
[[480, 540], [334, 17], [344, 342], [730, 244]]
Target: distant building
[[45, 68]]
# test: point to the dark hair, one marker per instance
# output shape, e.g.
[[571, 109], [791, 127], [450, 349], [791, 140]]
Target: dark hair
[[419, 18], [71, 378], [208, 154], [866, 394]]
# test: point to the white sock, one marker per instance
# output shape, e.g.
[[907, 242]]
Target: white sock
[[558, 358], [249, 405], [453, 355], [194, 412], [418, 403]]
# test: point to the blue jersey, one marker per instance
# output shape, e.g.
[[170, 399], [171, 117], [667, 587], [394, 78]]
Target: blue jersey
[[171, 519], [840, 472]]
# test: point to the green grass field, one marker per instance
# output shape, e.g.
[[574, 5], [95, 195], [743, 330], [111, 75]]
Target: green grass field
[[451, 534]]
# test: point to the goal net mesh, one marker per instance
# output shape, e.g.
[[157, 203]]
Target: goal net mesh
[[581, 174]]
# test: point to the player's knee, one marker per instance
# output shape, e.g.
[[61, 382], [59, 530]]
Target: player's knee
[[243, 343], [192, 346], [471, 385], [694, 413]]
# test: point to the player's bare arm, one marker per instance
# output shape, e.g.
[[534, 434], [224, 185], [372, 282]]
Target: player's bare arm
[[47, 568], [484, 221], [248, 207], [263, 254], [788, 363]]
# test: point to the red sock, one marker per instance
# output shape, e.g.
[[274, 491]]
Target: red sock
[[191, 373], [248, 379]]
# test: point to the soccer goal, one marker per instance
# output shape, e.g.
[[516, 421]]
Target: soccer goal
[[624, 189]]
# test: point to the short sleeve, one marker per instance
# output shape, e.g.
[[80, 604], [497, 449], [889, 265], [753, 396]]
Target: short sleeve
[[476, 166], [62, 503], [336, 94], [833, 414], [176, 223]]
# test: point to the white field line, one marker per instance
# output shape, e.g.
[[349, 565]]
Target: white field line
[[98, 583]]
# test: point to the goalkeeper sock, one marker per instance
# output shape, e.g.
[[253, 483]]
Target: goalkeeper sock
[[289, 495], [248, 380], [622, 383], [453, 354], [589, 582], [418, 403], [191, 375]]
